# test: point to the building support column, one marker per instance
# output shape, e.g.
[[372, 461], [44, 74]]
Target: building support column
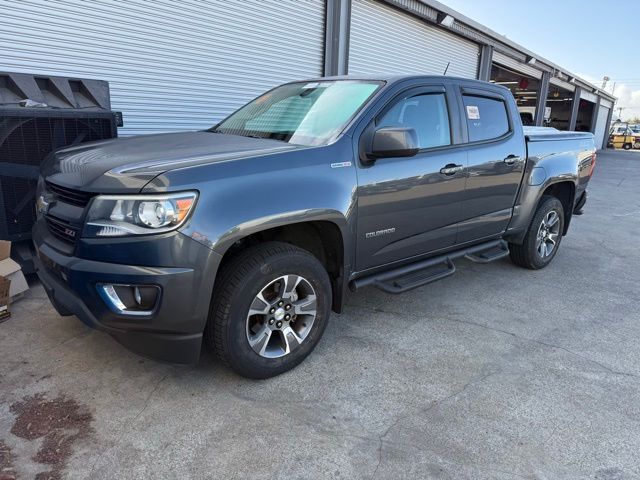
[[575, 106], [541, 104], [594, 115], [484, 68], [607, 126], [336, 43]]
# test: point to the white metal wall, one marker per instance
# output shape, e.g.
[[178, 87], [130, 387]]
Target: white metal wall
[[601, 124], [384, 40], [179, 65]]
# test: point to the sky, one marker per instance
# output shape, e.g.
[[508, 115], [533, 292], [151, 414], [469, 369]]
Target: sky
[[586, 37]]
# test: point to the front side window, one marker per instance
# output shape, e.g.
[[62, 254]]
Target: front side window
[[487, 118], [304, 113], [426, 113]]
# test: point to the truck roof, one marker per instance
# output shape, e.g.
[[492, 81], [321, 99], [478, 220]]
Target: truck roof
[[389, 78]]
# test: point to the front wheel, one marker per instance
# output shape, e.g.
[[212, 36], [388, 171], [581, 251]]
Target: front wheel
[[270, 308], [543, 238]]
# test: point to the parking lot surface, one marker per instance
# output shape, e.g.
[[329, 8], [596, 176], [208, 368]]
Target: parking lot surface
[[494, 373]]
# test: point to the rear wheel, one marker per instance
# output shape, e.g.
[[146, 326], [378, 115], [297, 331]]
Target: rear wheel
[[627, 146], [271, 306], [543, 238]]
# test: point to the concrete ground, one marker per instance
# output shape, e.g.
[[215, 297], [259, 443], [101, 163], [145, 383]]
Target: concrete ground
[[494, 373]]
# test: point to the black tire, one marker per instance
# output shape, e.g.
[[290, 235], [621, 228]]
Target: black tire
[[238, 284], [528, 255], [627, 146]]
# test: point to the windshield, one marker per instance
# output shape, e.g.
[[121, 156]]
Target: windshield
[[305, 113]]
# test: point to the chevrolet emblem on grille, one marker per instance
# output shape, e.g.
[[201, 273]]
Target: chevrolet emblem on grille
[[43, 203]]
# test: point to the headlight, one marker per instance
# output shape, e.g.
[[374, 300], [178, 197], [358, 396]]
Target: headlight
[[122, 215]]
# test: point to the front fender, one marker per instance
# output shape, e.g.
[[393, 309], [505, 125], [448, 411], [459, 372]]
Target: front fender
[[237, 232], [246, 196]]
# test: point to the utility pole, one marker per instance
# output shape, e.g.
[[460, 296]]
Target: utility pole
[[620, 112], [605, 79]]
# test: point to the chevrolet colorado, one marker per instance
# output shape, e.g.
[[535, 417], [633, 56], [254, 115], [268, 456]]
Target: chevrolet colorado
[[245, 236]]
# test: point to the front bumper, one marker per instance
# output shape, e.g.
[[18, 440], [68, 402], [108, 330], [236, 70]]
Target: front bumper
[[173, 332]]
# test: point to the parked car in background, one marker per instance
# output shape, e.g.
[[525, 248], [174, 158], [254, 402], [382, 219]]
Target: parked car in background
[[623, 136], [247, 235]]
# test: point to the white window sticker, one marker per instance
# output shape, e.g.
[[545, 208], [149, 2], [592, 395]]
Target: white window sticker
[[473, 112]]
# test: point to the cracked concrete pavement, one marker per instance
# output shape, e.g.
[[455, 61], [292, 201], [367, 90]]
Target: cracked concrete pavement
[[494, 373]]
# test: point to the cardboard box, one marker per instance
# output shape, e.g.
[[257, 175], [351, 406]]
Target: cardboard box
[[5, 285], [5, 249], [12, 272]]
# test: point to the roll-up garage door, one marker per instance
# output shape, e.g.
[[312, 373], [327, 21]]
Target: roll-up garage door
[[384, 40], [592, 97], [562, 84], [171, 65], [606, 103], [601, 125], [516, 66]]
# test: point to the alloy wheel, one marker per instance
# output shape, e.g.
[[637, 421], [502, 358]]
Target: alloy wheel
[[281, 316], [548, 234]]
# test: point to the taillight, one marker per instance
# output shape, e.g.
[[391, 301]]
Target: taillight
[[593, 163]]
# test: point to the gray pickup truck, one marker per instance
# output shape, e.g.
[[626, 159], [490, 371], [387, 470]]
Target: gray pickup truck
[[246, 235]]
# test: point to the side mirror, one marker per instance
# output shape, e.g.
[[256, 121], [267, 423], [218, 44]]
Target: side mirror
[[394, 142]]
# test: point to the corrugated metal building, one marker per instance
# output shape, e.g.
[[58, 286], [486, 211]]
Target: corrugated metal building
[[184, 65]]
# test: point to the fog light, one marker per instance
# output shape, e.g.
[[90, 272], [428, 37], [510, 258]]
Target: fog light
[[129, 299]]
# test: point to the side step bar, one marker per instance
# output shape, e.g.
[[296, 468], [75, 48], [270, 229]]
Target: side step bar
[[420, 273], [489, 255]]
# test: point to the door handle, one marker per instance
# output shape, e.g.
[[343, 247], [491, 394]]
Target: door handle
[[451, 169], [511, 159]]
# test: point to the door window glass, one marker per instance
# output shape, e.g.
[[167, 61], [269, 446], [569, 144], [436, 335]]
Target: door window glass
[[486, 117], [427, 114]]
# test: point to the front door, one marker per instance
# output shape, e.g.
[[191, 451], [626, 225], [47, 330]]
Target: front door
[[410, 206]]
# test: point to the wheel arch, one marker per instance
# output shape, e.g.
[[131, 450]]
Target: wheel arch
[[562, 188], [565, 191], [323, 237]]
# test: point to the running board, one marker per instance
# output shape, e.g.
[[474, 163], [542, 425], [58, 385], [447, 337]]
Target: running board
[[420, 273], [489, 255]]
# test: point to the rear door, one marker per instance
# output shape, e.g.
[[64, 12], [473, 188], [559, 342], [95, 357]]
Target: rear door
[[411, 206], [496, 159]]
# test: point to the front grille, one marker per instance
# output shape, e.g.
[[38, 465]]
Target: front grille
[[69, 195], [62, 230]]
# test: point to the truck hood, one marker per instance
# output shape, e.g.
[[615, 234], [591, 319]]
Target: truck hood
[[120, 165]]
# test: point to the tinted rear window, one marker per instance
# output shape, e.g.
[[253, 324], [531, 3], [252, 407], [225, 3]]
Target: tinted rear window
[[487, 118]]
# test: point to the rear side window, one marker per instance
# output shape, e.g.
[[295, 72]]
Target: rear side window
[[427, 114], [487, 118]]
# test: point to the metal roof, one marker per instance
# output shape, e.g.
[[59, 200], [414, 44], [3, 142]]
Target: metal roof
[[510, 44]]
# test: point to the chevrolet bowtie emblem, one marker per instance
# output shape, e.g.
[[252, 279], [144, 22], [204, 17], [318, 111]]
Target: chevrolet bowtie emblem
[[43, 204]]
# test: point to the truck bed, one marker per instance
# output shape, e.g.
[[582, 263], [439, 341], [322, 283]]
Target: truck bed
[[538, 134]]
